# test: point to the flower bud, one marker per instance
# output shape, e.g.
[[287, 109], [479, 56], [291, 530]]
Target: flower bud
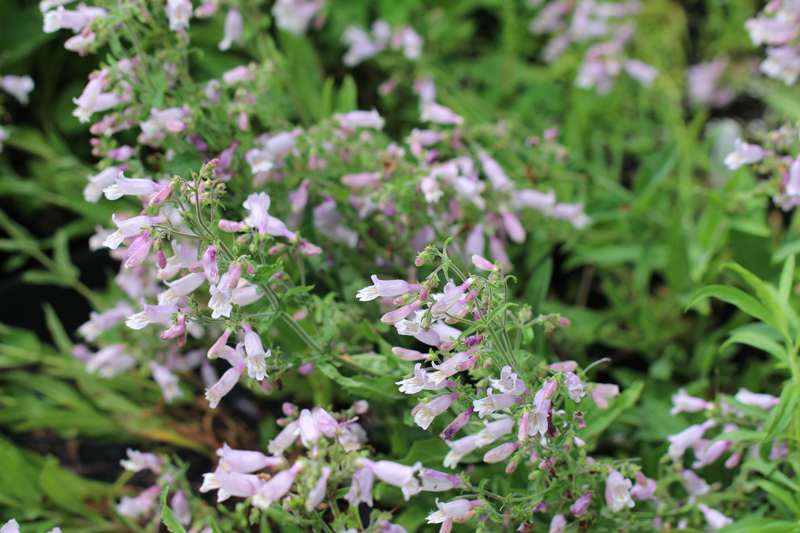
[[550, 387], [510, 467]]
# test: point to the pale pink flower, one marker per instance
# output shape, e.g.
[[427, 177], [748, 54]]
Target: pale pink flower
[[178, 12], [715, 519], [234, 27], [617, 491], [17, 86]]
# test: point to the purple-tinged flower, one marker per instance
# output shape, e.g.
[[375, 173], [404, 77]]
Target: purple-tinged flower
[[498, 178], [450, 299], [572, 213], [566, 366], [707, 452], [513, 226], [361, 119], [773, 31], [508, 382], [493, 431], [762, 401], [744, 154], [452, 509], [501, 453], [483, 263], [294, 16], [733, 460], [362, 179], [167, 381], [549, 387], [680, 442], [429, 411], [384, 288], [285, 438], [782, 63], [617, 491], [360, 45], [575, 387], [139, 507], [178, 12], [309, 431], [458, 449], [694, 484], [238, 74], [138, 461], [714, 518], [130, 228], [181, 287], [317, 493], [156, 314], [98, 182], [405, 354], [17, 86], [439, 114], [245, 461], [110, 361], [541, 412], [524, 426], [210, 266], [645, 487], [493, 402], [299, 197], [388, 527], [603, 392], [640, 71], [231, 483], [256, 356], [138, 251], [397, 475], [557, 524], [689, 404], [206, 10], [12, 526], [46, 5], [234, 27], [101, 322], [246, 295], [361, 487], [457, 363], [123, 153], [455, 426], [543, 202], [435, 481], [224, 385], [180, 507], [258, 206], [327, 220], [61, 18], [578, 509], [277, 487]]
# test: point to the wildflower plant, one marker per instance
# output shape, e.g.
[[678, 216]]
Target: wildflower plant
[[247, 216]]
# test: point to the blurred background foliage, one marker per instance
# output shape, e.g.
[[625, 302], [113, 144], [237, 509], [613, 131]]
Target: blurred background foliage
[[666, 215]]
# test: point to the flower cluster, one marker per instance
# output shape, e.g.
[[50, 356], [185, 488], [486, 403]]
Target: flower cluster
[[778, 26], [589, 20]]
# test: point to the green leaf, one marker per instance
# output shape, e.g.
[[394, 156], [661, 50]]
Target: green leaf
[[787, 277], [759, 525], [44, 277], [265, 272], [780, 494], [780, 415], [296, 290], [168, 516], [598, 420], [213, 525], [381, 388], [741, 435], [347, 99], [760, 341], [57, 329], [762, 292], [737, 297]]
